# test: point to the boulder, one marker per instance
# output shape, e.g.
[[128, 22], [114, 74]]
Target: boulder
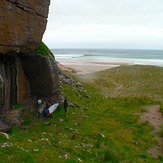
[[4, 126], [22, 24], [79, 85], [13, 117], [43, 75], [68, 81]]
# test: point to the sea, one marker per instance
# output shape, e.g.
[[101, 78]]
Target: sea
[[108, 57]]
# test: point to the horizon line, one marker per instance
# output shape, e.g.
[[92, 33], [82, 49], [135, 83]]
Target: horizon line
[[105, 49]]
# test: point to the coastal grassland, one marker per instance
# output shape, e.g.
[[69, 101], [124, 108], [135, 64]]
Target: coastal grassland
[[98, 128], [134, 81]]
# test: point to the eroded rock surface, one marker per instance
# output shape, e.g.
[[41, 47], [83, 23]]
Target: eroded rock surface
[[23, 73], [42, 73], [4, 126], [22, 24], [14, 86]]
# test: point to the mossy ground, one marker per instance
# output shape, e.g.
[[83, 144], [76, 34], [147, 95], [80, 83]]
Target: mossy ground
[[97, 129]]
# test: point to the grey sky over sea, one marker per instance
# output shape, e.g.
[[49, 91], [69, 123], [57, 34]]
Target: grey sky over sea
[[116, 24]]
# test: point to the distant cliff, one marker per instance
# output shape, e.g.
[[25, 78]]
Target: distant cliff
[[23, 73]]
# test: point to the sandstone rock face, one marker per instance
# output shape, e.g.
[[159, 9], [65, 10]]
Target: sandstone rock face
[[42, 73], [26, 76], [22, 24], [23, 74], [14, 86]]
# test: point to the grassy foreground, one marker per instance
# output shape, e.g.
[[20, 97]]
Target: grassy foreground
[[100, 127]]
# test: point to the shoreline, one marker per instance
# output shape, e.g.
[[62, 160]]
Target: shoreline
[[89, 61], [90, 67]]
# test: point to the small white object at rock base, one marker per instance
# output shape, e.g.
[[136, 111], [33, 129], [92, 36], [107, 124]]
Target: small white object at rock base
[[39, 102]]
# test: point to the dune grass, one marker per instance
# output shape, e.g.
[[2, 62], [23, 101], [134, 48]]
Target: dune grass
[[97, 129], [125, 81]]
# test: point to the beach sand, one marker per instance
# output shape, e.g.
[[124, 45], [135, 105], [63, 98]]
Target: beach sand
[[90, 68]]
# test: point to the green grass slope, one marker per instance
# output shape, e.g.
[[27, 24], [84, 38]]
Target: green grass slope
[[97, 129], [132, 81]]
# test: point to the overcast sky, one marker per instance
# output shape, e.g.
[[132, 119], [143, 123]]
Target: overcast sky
[[116, 24]]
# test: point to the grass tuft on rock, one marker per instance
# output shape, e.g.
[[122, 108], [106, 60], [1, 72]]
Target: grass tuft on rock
[[43, 50]]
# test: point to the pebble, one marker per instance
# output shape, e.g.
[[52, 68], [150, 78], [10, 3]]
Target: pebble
[[80, 160], [7, 144], [5, 134]]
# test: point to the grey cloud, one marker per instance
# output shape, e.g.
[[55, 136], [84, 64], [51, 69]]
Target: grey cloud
[[71, 20]]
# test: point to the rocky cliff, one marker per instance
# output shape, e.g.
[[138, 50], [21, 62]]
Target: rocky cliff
[[23, 73], [22, 24]]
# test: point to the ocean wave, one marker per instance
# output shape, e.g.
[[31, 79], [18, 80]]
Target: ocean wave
[[68, 55], [143, 57]]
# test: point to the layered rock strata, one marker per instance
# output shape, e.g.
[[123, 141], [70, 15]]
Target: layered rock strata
[[14, 86], [22, 24], [23, 74]]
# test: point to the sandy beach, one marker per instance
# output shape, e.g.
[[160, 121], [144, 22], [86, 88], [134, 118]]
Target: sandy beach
[[84, 61], [91, 67]]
